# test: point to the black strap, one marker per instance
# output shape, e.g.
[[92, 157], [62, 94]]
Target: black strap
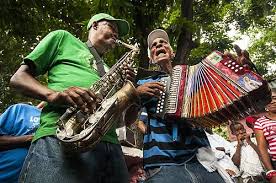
[[99, 60]]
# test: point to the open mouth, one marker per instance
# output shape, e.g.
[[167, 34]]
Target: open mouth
[[160, 52]]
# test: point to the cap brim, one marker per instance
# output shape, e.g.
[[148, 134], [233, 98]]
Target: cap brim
[[123, 26]]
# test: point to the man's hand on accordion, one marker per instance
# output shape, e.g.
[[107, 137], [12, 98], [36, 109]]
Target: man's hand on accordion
[[147, 90], [150, 89], [242, 58]]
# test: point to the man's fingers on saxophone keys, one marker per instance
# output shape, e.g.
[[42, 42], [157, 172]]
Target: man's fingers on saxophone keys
[[129, 73], [89, 99], [62, 98], [69, 101], [80, 103], [82, 98]]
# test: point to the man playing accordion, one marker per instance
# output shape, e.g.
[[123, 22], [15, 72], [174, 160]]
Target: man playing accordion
[[170, 147]]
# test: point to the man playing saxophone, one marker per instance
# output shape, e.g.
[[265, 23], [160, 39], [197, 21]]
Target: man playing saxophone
[[72, 67]]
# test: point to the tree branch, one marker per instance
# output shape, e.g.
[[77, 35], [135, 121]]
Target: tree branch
[[184, 42]]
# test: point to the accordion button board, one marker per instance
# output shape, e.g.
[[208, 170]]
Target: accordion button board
[[160, 109], [212, 92]]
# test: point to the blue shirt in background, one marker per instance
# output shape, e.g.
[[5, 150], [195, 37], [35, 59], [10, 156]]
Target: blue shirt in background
[[17, 120]]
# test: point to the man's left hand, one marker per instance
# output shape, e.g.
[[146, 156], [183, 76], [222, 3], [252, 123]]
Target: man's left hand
[[129, 74], [242, 56], [248, 139]]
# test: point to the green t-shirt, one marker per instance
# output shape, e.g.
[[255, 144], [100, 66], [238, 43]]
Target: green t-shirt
[[66, 60]]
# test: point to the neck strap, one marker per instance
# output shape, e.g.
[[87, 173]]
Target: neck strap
[[99, 60]]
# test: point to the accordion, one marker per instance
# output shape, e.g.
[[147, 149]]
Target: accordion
[[212, 92]]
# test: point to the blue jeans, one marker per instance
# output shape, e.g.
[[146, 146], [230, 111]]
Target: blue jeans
[[47, 163], [190, 172]]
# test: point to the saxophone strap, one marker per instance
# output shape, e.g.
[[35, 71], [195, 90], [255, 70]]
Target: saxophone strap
[[99, 60]]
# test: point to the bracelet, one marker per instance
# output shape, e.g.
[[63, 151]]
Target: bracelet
[[269, 174], [269, 171]]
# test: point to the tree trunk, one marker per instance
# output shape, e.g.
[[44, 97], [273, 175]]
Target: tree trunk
[[184, 43], [142, 30]]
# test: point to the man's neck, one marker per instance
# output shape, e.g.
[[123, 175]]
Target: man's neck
[[97, 46], [167, 67], [271, 115]]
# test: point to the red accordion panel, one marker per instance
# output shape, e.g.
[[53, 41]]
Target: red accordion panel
[[214, 91]]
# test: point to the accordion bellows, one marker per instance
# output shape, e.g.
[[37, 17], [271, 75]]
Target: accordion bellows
[[212, 92]]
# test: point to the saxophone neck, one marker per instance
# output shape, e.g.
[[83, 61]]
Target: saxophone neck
[[129, 46]]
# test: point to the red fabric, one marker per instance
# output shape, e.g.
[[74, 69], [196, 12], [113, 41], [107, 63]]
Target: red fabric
[[268, 126], [135, 168], [270, 175], [251, 119]]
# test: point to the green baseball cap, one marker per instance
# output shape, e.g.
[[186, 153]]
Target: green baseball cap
[[123, 26]]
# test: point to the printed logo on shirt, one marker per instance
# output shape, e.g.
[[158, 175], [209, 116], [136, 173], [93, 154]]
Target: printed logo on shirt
[[34, 123], [34, 119]]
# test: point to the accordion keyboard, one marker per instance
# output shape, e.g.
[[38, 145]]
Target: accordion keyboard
[[171, 105], [161, 104]]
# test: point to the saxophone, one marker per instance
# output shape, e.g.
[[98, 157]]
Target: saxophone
[[80, 131]]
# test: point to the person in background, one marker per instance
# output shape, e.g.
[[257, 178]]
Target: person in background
[[222, 149], [246, 155], [131, 139], [250, 122], [265, 130], [17, 126]]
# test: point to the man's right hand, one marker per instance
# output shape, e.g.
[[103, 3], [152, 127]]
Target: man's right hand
[[230, 172], [85, 99], [240, 138], [28, 138], [150, 89]]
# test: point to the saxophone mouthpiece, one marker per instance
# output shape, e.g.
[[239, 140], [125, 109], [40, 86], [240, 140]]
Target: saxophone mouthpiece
[[129, 46], [118, 42]]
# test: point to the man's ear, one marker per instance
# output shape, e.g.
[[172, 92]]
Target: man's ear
[[172, 55], [95, 25], [149, 56]]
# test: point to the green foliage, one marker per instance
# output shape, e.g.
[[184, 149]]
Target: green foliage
[[222, 131], [24, 23], [264, 49]]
